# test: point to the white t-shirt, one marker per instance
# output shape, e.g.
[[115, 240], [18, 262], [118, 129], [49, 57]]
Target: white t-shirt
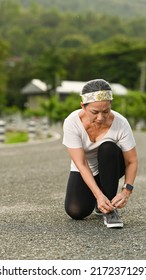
[[75, 136]]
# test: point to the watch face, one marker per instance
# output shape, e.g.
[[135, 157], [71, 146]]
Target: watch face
[[129, 187]]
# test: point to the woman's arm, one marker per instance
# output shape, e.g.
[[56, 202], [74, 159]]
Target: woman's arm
[[78, 156], [131, 162]]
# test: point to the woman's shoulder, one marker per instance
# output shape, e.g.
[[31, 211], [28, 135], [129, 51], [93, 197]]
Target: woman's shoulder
[[119, 117], [74, 113], [120, 122], [73, 116], [72, 119]]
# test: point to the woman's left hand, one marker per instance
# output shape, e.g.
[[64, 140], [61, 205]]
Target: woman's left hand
[[121, 199]]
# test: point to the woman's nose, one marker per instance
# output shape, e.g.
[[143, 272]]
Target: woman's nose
[[100, 116]]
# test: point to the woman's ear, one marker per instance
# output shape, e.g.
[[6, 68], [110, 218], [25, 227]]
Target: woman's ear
[[82, 106]]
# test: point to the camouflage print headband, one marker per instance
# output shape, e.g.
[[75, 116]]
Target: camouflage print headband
[[100, 95]]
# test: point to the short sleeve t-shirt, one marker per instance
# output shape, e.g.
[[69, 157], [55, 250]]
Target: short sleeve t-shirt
[[75, 136]]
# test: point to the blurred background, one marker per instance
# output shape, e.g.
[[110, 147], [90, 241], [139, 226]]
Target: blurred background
[[50, 48]]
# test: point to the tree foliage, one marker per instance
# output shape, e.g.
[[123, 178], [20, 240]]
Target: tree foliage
[[56, 110], [4, 48], [124, 8], [132, 106], [44, 42]]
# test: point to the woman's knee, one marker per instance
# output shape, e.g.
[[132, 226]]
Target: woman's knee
[[109, 149], [76, 212], [108, 146]]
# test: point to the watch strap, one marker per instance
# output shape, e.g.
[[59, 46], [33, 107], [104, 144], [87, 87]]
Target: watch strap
[[128, 187]]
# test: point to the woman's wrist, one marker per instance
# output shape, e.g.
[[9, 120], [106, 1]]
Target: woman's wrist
[[126, 192], [97, 192], [127, 187]]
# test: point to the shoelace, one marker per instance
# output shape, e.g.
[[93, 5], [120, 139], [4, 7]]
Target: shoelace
[[113, 214]]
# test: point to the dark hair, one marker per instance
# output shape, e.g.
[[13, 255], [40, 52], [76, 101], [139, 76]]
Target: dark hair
[[95, 85]]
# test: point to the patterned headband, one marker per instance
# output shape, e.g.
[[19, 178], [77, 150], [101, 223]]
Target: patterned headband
[[100, 95]]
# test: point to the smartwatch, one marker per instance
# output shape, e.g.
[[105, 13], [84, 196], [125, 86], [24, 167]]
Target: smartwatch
[[128, 187]]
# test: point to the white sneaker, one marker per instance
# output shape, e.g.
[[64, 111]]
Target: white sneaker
[[112, 220], [97, 211]]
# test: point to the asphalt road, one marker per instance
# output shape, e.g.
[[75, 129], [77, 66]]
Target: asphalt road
[[33, 223]]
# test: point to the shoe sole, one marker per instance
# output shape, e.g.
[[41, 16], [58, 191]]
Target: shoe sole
[[117, 225], [98, 213]]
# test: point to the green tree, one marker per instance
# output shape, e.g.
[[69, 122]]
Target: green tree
[[132, 106], [19, 71], [56, 110], [136, 106], [50, 66], [4, 48]]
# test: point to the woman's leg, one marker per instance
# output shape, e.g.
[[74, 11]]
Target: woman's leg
[[111, 168], [79, 201]]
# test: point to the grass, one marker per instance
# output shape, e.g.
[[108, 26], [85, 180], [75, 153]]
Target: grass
[[13, 137]]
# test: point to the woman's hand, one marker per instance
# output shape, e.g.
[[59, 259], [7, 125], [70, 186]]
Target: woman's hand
[[104, 204], [121, 199]]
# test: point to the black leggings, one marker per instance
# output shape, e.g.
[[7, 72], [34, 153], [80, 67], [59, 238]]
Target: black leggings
[[80, 201]]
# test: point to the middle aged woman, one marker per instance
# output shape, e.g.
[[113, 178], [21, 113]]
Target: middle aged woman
[[101, 145]]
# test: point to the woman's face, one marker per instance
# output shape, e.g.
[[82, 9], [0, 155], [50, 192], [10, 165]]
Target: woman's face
[[97, 112]]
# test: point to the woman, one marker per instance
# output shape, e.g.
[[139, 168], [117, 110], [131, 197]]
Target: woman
[[102, 150]]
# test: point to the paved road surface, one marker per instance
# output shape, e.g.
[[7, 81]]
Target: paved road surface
[[33, 223]]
